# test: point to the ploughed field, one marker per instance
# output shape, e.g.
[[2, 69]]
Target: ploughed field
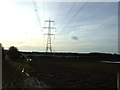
[[73, 72]]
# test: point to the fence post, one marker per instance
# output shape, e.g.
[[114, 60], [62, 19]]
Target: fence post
[[118, 81], [0, 66]]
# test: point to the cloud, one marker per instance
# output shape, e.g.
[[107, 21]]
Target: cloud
[[75, 38]]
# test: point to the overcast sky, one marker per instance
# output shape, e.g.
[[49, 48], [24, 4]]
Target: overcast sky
[[80, 26]]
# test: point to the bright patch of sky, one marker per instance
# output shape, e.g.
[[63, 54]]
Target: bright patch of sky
[[80, 26]]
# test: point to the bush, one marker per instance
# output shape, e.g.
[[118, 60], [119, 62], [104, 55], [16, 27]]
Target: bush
[[13, 53]]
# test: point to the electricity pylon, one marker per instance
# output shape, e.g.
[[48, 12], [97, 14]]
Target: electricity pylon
[[49, 34]]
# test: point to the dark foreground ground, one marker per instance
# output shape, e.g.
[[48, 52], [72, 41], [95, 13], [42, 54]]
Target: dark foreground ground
[[67, 72], [70, 73]]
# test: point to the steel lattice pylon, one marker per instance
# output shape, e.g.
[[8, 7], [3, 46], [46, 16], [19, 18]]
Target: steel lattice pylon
[[49, 46]]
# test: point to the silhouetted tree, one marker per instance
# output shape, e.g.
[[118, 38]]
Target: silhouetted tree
[[13, 53]]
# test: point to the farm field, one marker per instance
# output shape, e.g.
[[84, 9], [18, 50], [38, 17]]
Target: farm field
[[70, 72], [75, 73]]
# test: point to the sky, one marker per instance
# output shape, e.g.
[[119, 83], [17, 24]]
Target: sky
[[80, 26]]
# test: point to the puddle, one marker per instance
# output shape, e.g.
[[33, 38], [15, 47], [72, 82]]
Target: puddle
[[110, 62]]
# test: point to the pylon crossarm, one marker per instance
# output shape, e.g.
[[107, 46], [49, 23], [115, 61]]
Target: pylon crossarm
[[49, 34]]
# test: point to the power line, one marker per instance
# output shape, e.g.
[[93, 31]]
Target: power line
[[36, 12], [74, 16], [43, 4], [57, 14], [68, 14]]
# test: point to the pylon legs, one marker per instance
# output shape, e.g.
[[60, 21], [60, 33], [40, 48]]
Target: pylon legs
[[48, 46], [48, 49]]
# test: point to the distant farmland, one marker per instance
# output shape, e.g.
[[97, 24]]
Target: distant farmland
[[72, 70], [75, 70]]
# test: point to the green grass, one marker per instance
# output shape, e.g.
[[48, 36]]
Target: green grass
[[66, 72], [12, 72], [18, 66], [68, 64], [97, 66], [75, 73]]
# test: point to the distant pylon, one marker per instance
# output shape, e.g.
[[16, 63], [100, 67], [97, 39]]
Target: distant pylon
[[49, 41]]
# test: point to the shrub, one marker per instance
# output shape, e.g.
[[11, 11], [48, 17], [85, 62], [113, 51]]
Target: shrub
[[13, 53]]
